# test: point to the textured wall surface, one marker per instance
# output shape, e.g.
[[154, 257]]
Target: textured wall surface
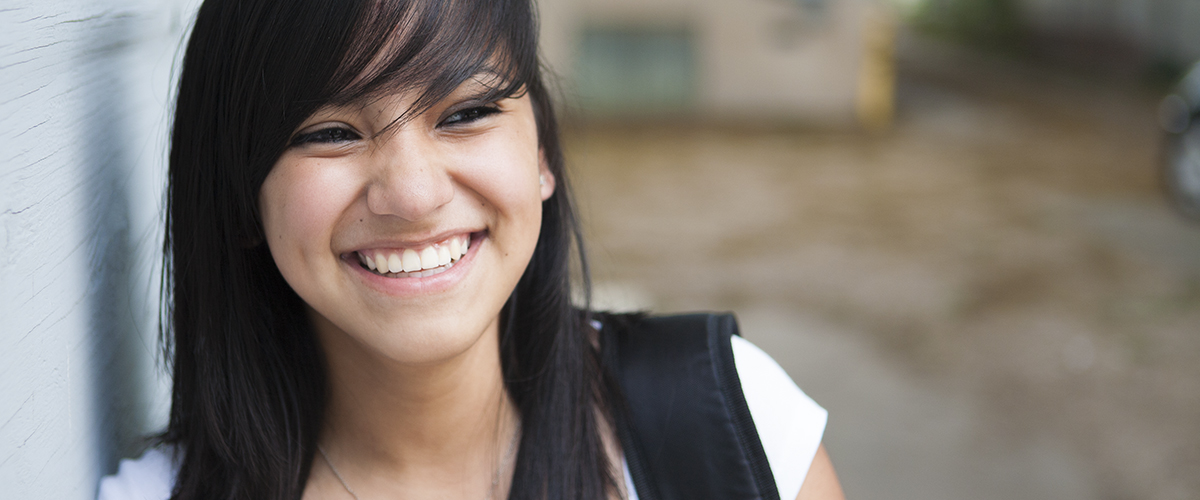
[[83, 93]]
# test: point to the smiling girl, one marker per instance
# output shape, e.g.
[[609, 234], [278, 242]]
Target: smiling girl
[[368, 261]]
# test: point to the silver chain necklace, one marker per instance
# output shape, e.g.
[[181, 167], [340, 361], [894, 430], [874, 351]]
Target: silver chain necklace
[[512, 447]]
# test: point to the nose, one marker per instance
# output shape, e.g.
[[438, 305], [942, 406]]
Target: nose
[[411, 179]]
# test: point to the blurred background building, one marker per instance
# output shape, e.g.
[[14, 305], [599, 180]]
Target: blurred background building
[[824, 62], [793, 60], [943, 217]]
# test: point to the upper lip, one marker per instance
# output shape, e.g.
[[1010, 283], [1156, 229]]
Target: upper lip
[[387, 243]]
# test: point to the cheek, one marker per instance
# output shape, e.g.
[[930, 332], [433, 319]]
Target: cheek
[[505, 174], [300, 206]]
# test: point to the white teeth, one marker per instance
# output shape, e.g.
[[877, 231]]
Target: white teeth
[[428, 261], [412, 260], [429, 258]]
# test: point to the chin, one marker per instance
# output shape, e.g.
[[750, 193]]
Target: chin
[[418, 339]]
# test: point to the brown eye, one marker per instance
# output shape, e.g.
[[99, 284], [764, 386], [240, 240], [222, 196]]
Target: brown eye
[[469, 115], [330, 135]]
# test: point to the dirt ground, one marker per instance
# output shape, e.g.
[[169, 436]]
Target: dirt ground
[[992, 299]]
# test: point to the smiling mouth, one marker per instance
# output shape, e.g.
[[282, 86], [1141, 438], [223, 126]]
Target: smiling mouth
[[415, 262]]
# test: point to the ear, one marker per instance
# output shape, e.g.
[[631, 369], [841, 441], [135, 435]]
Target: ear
[[545, 178]]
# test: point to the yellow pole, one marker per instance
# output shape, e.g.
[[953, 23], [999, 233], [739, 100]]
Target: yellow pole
[[877, 75]]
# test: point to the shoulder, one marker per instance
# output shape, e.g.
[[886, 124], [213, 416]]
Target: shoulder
[[150, 477], [790, 424], [690, 375]]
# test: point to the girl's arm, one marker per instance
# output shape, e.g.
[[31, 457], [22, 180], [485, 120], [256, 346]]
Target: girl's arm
[[821, 483]]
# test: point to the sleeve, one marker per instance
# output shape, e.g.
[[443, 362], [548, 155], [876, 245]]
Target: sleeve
[[789, 423], [150, 477]]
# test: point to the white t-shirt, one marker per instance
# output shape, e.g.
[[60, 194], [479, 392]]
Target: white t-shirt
[[789, 424]]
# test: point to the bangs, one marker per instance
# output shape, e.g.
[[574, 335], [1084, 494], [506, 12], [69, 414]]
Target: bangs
[[432, 47]]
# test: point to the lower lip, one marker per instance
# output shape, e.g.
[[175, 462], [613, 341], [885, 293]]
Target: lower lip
[[418, 286]]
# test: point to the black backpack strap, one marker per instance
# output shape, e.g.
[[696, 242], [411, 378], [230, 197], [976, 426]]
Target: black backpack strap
[[684, 425]]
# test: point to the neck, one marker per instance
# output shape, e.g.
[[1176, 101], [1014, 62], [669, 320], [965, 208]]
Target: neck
[[431, 427]]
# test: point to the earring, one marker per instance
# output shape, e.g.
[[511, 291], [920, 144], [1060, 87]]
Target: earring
[[541, 179]]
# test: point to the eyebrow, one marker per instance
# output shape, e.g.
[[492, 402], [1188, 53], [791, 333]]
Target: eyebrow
[[491, 83], [485, 86]]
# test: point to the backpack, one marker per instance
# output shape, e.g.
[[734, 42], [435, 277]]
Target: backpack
[[683, 421]]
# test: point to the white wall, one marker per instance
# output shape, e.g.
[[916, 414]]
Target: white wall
[[84, 87]]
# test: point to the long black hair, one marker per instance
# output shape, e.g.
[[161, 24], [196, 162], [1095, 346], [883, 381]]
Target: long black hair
[[249, 377]]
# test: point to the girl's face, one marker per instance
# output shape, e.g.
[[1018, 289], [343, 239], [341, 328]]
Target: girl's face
[[407, 240]]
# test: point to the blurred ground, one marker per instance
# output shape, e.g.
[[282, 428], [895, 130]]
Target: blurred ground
[[992, 299]]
